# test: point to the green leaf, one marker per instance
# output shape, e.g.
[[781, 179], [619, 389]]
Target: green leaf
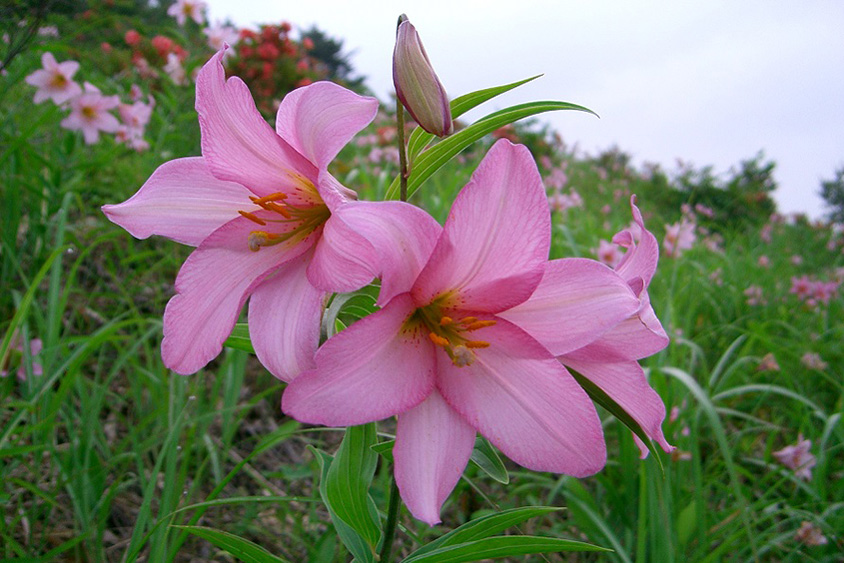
[[348, 480], [353, 541], [485, 457], [239, 339], [438, 155], [419, 138], [501, 546], [385, 449], [485, 526], [599, 396], [243, 549]]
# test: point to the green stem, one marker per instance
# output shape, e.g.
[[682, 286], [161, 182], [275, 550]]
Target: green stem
[[392, 520], [402, 152]]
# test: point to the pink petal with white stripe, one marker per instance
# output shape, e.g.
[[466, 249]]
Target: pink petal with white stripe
[[524, 401], [402, 236], [319, 119], [211, 288], [576, 301], [238, 145], [497, 237], [182, 201], [433, 446], [370, 371], [284, 320]]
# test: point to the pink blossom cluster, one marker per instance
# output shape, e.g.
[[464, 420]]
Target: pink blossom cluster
[[813, 361], [755, 295], [679, 237], [476, 331], [16, 358], [814, 292], [90, 110]]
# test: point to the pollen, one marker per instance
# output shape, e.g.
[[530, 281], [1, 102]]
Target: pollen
[[449, 331]]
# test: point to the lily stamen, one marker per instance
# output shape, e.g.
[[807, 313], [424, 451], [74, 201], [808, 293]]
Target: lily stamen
[[252, 217]]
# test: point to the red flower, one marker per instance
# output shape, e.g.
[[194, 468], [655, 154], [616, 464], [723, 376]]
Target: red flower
[[132, 38], [307, 43], [162, 44], [268, 51]]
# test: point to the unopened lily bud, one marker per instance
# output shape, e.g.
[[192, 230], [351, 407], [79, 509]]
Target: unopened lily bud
[[417, 85]]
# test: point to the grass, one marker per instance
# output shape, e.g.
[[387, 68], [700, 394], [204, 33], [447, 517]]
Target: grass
[[106, 452]]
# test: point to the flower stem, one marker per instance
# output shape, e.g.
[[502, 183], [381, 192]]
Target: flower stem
[[402, 152], [392, 520]]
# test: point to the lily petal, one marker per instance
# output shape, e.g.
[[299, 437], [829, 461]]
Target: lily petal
[[319, 119], [576, 301], [640, 260], [524, 401], [433, 446], [344, 260], [635, 338], [284, 318], [238, 145], [211, 288], [369, 371], [626, 384], [402, 236], [496, 239], [182, 201]]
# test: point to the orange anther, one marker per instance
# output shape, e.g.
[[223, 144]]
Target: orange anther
[[468, 320], [445, 321], [476, 344], [438, 340], [272, 197], [272, 206], [478, 324], [253, 218]]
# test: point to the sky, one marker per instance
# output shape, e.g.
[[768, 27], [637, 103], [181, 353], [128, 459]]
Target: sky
[[709, 82]]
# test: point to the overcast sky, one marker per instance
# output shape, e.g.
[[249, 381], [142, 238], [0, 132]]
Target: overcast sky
[[711, 82]]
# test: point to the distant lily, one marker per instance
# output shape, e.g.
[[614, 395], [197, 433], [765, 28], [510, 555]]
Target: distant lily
[[90, 113], [269, 221], [798, 458], [55, 80], [184, 9], [448, 359]]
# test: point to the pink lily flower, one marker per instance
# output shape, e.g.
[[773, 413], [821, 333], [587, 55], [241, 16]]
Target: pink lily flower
[[184, 9], [54, 81], [89, 113], [447, 359], [610, 361], [269, 221]]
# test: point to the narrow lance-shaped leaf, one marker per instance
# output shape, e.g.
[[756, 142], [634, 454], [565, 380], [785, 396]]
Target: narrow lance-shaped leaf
[[437, 156], [485, 526], [348, 481], [599, 396], [502, 546], [354, 542], [420, 138], [241, 548], [485, 457]]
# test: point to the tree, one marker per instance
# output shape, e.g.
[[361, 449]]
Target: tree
[[832, 192]]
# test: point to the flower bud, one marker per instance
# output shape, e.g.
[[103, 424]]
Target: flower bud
[[417, 85]]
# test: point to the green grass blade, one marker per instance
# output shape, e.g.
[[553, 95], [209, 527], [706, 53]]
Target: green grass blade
[[243, 549], [501, 546]]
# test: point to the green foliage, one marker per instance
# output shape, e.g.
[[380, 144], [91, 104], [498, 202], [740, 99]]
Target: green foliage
[[107, 456]]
